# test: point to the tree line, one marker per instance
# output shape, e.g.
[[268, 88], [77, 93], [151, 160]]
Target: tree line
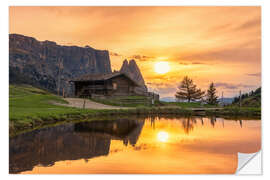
[[256, 94], [188, 91]]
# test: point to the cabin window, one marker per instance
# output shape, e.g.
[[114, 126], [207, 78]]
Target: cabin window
[[114, 86]]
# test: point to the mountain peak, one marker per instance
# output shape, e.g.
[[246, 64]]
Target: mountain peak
[[131, 68]]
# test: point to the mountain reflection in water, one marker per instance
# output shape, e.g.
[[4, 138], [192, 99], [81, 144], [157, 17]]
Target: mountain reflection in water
[[139, 145]]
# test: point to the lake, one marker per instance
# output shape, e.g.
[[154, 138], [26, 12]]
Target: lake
[[152, 145]]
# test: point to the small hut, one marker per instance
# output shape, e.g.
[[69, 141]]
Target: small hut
[[93, 85]]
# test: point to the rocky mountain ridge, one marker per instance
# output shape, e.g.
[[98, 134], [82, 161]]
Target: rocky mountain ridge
[[47, 65], [131, 68]]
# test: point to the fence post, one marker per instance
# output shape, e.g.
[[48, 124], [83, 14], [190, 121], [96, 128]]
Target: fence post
[[63, 92], [222, 103], [83, 103], [240, 98]]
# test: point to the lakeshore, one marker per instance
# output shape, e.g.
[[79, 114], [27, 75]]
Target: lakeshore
[[32, 108], [103, 146]]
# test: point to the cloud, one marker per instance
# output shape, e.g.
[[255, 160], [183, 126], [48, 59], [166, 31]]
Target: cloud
[[193, 63], [240, 53], [184, 63], [114, 54], [250, 24], [219, 28], [197, 63], [254, 74], [164, 90], [231, 28], [232, 86], [140, 57], [157, 84]]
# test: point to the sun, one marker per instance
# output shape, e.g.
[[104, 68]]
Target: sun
[[162, 136], [162, 67]]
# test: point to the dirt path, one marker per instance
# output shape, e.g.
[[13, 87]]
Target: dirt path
[[77, 102]]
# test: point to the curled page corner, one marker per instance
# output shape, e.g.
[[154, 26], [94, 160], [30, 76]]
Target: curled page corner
[[249, 164]]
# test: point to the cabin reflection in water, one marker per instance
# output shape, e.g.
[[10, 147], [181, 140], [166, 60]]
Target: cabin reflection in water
[[69, 142], [211, 144]]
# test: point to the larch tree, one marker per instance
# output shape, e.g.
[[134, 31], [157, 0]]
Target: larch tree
[[187, 90], [211, 97]]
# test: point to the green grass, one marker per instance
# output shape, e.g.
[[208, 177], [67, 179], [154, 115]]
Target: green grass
[[125, 101], [29, 105], [236, 111], [144, 102], [188, 104], [131, 97], [27, 101], [31, 108], [251, 102]]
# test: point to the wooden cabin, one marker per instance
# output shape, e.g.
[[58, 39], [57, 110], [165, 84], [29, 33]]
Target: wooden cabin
[[93, 85]]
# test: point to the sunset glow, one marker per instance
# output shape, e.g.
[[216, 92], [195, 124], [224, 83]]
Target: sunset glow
[[162, 67], [209, 44]]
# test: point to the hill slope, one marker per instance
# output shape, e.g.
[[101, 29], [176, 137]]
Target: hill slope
[[251, 99], [27, 101]]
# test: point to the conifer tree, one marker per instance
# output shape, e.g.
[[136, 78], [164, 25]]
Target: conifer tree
[[187, 90], [211, 96]]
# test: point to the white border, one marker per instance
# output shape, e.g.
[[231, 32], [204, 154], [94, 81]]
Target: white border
[[265, 77], [137, 2]]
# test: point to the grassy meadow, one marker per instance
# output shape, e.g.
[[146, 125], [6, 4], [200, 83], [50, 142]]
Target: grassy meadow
[[189, 104], [31, 108], [125, 101]]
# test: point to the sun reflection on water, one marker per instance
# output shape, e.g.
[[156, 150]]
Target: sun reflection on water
[[162, 136], [192, 145]]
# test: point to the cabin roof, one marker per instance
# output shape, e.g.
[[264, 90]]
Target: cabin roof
[[102, 77]]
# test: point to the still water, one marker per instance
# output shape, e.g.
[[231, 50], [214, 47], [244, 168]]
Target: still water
[[155, 145]]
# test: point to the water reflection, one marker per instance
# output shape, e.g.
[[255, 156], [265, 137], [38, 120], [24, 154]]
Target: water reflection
[[136, 145], [69, 142], [162, 136], [188, 124]]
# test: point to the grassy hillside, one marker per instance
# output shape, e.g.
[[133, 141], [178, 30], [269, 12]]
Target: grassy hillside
[[251, 99], [29, 106], [25, 101]]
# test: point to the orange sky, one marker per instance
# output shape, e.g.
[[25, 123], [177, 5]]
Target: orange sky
[[219, 44]]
